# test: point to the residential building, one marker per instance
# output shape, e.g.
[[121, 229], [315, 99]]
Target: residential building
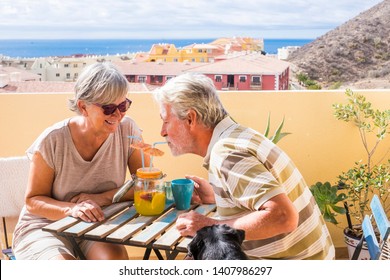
[[284, 52], [67, 69], [239, 44], [153, 73], [239, 72], [191, 53], [12, 74], [204, 52], [247, 72]]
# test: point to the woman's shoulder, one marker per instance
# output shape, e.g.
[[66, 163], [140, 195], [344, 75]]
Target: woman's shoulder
[[51, 137], [56, 128]]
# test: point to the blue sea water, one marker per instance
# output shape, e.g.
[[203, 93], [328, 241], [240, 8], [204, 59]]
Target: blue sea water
[[44, 48]]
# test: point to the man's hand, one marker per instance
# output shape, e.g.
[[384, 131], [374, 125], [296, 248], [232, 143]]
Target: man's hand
[[189, 223], [203, 191]]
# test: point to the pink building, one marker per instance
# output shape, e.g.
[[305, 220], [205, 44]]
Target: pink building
[[242, 72], [248, 72]]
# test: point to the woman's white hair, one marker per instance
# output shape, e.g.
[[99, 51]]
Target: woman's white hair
[[192, 91], [99, 83]]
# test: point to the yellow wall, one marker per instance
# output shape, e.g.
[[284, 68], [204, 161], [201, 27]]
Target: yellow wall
[[320, 145]]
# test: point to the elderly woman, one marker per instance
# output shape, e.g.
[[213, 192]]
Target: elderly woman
[[77, 166]]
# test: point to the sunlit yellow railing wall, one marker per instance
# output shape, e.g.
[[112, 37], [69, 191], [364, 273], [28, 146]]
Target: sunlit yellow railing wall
[[320, 145]]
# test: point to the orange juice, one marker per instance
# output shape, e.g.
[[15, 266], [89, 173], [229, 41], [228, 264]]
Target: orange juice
[[148, 202]]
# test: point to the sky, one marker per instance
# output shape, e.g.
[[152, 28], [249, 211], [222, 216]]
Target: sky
[[174, 19]]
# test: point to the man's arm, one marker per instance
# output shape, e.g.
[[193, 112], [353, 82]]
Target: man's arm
[[276, 216]]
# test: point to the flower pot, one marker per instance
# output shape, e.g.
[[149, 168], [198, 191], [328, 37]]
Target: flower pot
[[352, 241]]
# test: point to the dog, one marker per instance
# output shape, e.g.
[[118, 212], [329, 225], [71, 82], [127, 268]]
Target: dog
[[217, 242]]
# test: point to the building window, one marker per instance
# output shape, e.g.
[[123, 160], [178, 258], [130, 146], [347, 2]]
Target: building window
[[66, 65], [76, 75], [169, 77], [218, 78], [242, 79], [131, 78], [68, 75], [57, 74], [256, 80], [141, 79], [175, 60], [75, 65], [156, 79]]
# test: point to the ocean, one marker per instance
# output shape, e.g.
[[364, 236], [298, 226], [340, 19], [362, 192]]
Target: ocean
[[43, 48]]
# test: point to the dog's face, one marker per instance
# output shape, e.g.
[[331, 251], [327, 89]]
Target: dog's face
[[217, 242]]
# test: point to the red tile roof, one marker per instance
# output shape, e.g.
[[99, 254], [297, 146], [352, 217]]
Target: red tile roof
[[156, 68], [244, 64]]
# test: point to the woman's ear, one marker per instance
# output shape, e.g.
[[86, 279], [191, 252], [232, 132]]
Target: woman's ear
[[82, 107]]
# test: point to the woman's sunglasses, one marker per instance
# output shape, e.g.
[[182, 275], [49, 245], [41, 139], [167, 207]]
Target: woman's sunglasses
[[111, 108]]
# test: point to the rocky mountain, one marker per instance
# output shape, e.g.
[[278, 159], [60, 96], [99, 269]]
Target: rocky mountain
[[356, 54]]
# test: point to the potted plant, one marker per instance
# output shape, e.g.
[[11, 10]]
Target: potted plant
[[366, 177]]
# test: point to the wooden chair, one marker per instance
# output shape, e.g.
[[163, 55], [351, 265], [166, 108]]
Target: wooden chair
[[13, 183], [378, 250]]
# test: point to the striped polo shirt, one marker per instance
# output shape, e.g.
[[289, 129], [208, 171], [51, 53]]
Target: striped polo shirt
[[246, 169]]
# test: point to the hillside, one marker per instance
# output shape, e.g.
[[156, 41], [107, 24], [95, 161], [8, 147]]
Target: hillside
[[356, 54]]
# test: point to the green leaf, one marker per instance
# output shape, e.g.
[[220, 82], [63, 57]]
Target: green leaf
[[268, 126], [278, 135]]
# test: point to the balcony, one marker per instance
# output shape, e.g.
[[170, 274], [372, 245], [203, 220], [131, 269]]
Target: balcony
[[320, 145]]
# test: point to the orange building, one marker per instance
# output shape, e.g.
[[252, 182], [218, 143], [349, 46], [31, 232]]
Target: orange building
[[204, 52]]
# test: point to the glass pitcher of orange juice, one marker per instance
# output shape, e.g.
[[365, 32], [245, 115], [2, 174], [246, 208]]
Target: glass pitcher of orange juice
[[149, 191]]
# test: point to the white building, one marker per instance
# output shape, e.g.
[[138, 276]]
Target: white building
[[284, 52]]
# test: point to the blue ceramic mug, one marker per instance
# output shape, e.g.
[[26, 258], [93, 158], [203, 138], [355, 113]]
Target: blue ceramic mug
[[182, 190]]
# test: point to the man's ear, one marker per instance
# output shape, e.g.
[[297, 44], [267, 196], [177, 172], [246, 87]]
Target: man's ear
[[192, 117]]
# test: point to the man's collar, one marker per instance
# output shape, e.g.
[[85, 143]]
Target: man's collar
[[220, 128]]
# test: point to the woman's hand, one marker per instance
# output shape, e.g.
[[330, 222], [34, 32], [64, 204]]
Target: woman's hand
[[88, 211], [101, 199], [203, 191]]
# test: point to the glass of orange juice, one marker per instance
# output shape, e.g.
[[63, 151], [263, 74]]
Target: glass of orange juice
[[149, 191]]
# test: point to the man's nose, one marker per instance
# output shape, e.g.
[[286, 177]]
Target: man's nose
[[163, 132]]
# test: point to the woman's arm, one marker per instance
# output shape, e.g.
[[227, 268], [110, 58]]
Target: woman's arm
[[39, 200]]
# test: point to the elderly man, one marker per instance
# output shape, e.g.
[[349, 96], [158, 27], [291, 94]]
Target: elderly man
[[254, 184]]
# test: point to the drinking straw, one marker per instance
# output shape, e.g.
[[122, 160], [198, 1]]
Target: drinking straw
[[142, 158], [142, 151], [153, 145]]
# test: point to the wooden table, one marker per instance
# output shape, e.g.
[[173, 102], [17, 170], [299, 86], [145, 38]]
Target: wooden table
[[123, 225]]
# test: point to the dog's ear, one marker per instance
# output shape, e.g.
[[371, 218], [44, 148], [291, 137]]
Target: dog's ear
[[195, 246], [238, 234], [241, 235]]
